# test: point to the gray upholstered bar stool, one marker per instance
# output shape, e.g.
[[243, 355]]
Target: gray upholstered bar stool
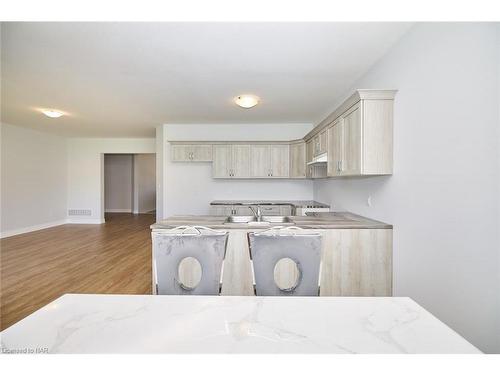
[[286, 261], [188, 260]]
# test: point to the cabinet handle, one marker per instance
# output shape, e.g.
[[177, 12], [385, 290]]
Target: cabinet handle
[[339, 166]]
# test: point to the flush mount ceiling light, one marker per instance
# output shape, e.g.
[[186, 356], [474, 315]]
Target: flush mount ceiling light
[[52, 113], [247, 101]]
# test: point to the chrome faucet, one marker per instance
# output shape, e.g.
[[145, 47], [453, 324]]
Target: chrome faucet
[[257, 214]]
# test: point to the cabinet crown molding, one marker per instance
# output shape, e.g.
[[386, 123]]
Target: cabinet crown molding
[[359, 94]]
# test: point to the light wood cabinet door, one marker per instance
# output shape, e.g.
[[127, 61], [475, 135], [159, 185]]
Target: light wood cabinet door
[[240, 161], [221, 210], [323, 142], [180, 152], [191, 153], [316, 145], [298, 160], [270, 210], [309, 151], [356, 262], [280, 167], [242, 210], [201, 153], [285, 210], [260, 161], [335, 145], [222, 161], [352, 142]]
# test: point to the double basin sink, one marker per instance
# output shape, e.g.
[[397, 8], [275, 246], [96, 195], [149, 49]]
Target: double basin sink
[[252, 220]]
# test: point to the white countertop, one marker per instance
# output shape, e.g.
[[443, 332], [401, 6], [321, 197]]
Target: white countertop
[[79, 323]]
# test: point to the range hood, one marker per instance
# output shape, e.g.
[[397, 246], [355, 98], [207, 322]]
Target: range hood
[[320, 159]]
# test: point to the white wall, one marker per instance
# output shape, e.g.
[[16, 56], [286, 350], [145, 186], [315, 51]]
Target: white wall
[[161, 186], [33, 180], [86, 171], [189, 187], [144, 183], [118, 182], [443, 198]]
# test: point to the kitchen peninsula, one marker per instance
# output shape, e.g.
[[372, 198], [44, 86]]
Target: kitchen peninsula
[[214, 324], [356, 255]]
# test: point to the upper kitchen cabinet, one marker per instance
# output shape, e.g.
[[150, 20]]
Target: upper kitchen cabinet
[[355, 140], [309, 157], [222, 163], [345, 153], [280, 161], [240, 161], [191, 152], [335, 147], [269, 161], [260, 156], [360, 140], [298, 159], [319, 143], [231, 161]]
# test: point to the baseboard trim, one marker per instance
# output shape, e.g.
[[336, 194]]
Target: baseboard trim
[[33, 228], [119, 210], [81, 220]]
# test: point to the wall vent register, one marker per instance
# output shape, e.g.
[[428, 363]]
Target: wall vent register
[[73, 212]]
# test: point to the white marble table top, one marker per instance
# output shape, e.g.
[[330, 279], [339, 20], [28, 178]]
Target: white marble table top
[[79, 323]]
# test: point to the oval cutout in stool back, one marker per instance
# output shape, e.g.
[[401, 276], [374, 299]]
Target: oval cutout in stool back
[[189, 273], [286, 274]]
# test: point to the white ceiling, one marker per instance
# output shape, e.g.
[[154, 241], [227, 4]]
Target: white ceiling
[[123, 79]]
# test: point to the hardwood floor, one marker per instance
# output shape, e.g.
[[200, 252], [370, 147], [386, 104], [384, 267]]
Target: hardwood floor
[[38, 267]]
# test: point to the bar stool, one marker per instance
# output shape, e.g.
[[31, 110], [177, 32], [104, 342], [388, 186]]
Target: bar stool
[[188, 260], [286, 261]]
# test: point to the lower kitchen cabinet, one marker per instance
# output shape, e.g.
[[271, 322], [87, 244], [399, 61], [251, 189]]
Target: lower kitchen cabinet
[[354, 262], [221, 210], [229, 210], [242, 210], [270, 210]]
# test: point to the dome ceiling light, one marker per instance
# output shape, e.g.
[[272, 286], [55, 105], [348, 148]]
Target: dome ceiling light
[[52, 113], [247, 101]]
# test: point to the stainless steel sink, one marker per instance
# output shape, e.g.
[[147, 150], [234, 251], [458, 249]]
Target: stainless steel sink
[[240, 219], [277, 219], [253, 219]]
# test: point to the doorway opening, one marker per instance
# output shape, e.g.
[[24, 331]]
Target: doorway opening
[[130, 183]]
